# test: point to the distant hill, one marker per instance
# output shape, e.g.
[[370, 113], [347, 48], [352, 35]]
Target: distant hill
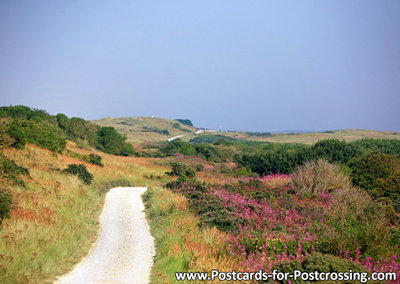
[[151, 129], [148, 129]]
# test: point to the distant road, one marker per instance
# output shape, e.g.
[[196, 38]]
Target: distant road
[[125, 248], [179, 136], [176, 137]]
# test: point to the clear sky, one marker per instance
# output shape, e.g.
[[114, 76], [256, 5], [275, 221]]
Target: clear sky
[[240, 65]]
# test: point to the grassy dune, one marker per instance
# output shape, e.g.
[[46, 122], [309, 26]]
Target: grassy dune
[[144, 129], [138, 130], [54, 219]]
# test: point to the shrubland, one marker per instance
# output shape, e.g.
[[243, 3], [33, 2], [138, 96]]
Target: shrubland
[[25, 125], [227, 204]]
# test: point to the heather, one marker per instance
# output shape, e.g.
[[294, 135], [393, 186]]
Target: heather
[[270, 221]]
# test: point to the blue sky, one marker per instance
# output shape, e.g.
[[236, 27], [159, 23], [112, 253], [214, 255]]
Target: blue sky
[[240, 65]]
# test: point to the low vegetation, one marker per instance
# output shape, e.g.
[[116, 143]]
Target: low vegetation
[[226, 203]]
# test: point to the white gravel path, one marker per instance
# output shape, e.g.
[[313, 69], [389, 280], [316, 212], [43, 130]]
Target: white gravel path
[[124, 250]]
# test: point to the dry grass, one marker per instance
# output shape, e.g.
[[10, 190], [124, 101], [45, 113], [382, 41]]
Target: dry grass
[[54, 220], [319, 177], [132, 127]]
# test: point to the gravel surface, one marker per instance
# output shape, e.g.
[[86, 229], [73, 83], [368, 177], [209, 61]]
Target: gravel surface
[[124, 250]]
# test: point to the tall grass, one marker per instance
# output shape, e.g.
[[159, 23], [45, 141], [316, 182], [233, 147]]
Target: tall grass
[[180, 244], [54, 219]]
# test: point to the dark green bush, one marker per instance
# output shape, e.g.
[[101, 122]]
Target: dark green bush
[[335, 151], [181, 169], [378, 174], [110, 141], [279, 159], [95, 160], [10, 171], [80, 171], [5, 204], [386, 146], [208, 206], [187, 122], [43, 134], [78, 129]]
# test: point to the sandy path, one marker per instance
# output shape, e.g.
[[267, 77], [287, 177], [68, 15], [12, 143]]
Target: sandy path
[[124, 250]]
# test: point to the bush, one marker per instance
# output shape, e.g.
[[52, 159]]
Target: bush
[[187, 122], [179, 169], [110, 141], [386, 146], [378, 174], [319, 262], [354, 222], [80, 171], [95, 160], [10, 171], [334, 150], [43, 134], [279, 159], [319, 177], [5, 204]]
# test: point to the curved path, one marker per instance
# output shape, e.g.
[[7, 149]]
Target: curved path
[[125, 248]]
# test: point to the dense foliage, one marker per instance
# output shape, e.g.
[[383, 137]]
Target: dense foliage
[[110, 141], [283, 158], [379, 175], [26, 125], [80, 171], [179, 169], [95, 160], [187, 122], [11, 172], [5, 204], [272, 225], [276, 158]]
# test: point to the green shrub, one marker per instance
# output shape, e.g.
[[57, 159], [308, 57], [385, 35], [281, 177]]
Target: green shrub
[[334, 150], [5, 204], [110, 141], [43, 134], [321, 263], [187, 122], [209, 207], [354, 222], [95, 160], [179, 169], [378, 174], [278, 159], [80, 171], [11, 172], [5, 139], [319, 177], [386, 146], [199, 168]]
